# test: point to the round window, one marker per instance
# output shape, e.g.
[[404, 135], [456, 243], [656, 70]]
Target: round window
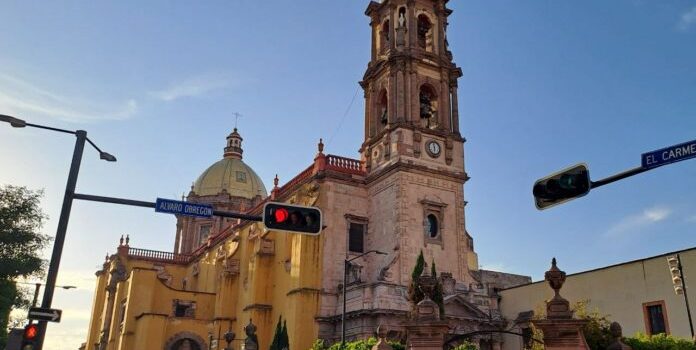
[[431, 226]]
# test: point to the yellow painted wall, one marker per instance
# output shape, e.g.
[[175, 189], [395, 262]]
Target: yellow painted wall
[[283, 282], [97, 304], [618, 291]]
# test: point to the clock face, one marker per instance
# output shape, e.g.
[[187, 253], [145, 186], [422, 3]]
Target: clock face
[[433, 149]]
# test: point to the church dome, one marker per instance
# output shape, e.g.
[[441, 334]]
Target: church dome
[[230, 174]]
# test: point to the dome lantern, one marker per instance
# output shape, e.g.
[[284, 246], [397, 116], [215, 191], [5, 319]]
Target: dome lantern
[[234, 145]]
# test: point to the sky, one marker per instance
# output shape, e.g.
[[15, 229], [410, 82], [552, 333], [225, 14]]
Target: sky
[[547, 84]]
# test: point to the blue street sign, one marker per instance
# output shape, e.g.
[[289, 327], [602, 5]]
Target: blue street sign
[[183, 208], [671, 154]]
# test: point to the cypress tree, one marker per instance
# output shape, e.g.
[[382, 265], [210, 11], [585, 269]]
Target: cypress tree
[[275, 343], [414, 292], [438, 294], [284, 338]]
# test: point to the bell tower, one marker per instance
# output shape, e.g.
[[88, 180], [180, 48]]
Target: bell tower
[[413, 150], [410, 84]]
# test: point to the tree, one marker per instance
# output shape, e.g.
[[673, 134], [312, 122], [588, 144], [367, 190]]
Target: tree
[[281, 340], [414, 292], [21, 242], [284, 338], [276, 336], [438, 293]]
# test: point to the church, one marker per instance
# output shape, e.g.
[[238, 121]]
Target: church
[[405, 195]]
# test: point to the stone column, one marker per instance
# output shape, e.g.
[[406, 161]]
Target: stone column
[[455, 109], [426, 331], [561, 330]]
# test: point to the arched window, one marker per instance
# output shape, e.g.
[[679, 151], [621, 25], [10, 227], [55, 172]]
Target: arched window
[[383, 107], [425, 35], [428, 106], [385, 36], [432, 228]]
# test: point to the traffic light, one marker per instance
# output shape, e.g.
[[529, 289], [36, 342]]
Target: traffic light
[[292, 218], [31, 331], [562, 186], [674, 264]]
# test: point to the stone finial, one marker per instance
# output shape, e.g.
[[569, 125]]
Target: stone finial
[[274, 191], [127, 239], [120, 241], [616, 333], [251, 342], [320, 146], [558, 307], [106, 257], [555, 277]]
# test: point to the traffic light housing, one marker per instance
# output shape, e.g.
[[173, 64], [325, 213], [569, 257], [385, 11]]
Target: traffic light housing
[[29, 337], [560, 187], [292, 218], [675, 271]]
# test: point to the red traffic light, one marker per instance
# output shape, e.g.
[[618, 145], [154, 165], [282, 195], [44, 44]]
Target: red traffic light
[[292, 218], [280, 215], [30, 332]]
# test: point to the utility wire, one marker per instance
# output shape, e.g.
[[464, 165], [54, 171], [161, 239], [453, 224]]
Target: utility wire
[[345, 114]]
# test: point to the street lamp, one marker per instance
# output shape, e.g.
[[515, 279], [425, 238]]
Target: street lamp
[[346, 266], [65, 210], [38, 287]]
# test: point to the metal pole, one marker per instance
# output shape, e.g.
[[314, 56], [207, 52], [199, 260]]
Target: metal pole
[[619, 176], [686, 298], [60, 233], [36, 294], [346, 263]]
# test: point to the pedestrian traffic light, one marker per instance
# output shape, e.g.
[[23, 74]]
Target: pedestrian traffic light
[[31, 331], [292, 218], [562, 186], [674, 264]]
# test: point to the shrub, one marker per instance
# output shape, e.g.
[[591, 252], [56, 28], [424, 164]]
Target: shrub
[[660, 341], [364, 344]]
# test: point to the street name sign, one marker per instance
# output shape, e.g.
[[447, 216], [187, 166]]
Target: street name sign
[[668, 155], [41, 314], [183, 208]]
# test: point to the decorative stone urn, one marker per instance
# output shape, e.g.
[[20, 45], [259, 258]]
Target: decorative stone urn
[[561, 330]]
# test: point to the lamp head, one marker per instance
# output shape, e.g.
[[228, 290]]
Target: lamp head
[[15, 122], [68, 287], [107, 157]]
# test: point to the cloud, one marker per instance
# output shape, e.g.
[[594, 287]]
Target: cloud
[[639, 221], [21, 97], [687, 19], [192, 87]]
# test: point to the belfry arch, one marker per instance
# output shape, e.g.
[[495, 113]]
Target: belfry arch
[[429, 106]]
